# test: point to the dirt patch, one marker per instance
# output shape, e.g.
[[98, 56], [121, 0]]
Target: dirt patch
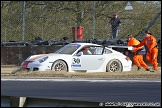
[[6, 73]]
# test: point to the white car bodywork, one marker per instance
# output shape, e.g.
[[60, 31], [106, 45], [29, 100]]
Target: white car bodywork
[[101, 60]]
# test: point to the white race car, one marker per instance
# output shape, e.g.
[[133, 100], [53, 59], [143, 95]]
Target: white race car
[[80, 57]]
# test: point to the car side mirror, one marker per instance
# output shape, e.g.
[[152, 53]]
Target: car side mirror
[[79, 53]]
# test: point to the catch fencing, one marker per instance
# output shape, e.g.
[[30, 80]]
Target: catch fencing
[[53, 20]]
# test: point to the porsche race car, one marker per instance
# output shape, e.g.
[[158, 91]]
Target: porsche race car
[[72, 58]]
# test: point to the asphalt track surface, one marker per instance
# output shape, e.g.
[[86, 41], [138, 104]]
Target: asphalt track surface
[[94, 90]]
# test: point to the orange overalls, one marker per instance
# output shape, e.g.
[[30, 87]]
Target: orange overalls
[[137, 58], [152, 52]]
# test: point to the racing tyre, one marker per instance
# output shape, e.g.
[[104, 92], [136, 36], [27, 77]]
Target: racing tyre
[[59, 65], [114, 66]]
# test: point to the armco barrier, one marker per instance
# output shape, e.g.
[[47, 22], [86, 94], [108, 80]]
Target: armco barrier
[[15, 101]]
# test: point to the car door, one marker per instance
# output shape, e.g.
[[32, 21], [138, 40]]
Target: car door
[[88, 62]]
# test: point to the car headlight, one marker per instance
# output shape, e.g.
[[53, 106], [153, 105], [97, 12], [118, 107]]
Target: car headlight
[[43, 59]]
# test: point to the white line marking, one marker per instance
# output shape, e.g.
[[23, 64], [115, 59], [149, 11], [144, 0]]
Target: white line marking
[[89, 80]]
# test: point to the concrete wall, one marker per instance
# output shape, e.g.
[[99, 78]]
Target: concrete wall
[[16, 101], [16, 55]]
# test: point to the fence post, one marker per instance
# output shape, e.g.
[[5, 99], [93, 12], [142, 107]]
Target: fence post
[[93, 20], [23, 20], [151, 23]]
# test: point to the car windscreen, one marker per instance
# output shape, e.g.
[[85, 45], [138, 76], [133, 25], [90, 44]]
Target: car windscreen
[[68, 49]]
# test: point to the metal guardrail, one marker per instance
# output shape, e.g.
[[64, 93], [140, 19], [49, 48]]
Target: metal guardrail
[[15, 101]]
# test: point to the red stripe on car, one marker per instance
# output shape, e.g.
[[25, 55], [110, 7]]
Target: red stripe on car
[[32, 59]]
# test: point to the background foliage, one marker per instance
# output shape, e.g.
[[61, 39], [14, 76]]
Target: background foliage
[[52, 20]]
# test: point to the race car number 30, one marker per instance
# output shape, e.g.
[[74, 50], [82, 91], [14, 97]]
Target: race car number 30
[[76, 60]]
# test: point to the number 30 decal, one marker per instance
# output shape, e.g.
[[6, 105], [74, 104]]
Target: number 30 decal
[[76, 60]]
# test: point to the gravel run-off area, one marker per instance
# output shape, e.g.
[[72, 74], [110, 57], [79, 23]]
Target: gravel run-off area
[[7, 72]]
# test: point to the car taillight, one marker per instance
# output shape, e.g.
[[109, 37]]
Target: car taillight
[[127, 58]]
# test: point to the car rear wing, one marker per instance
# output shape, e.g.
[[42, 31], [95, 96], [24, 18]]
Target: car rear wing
[[118, 46]]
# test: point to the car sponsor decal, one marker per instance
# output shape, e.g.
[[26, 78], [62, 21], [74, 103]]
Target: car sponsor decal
[[76, 65], [77, 45]]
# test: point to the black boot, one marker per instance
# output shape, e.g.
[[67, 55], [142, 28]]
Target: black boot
[[147, 69], [138, 68]]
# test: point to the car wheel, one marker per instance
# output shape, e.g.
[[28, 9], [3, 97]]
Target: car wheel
[[59, 65], [114, 66]]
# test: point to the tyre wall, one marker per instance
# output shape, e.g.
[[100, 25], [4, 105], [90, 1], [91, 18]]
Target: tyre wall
[[16, 55]]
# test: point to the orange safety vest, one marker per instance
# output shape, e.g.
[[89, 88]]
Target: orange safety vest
[[149, 41]]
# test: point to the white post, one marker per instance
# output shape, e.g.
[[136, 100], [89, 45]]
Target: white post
[[22, 101]]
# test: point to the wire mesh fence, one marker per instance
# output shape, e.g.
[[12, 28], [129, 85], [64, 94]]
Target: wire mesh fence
[[53, 20]]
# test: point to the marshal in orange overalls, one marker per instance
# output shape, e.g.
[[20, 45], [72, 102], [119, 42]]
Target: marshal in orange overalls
[[137, 58], [152, 52]]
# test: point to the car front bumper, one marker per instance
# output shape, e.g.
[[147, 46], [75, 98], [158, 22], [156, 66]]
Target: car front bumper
[[31, 66]]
